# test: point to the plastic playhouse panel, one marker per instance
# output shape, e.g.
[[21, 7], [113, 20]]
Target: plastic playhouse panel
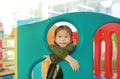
[[32, 43]]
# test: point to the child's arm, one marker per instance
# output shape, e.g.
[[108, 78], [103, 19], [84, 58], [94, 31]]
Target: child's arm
[[59, 55], [47, 59], [73, 62], [62, 52], [52, 59]]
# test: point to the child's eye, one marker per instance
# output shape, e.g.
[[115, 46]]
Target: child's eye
[[66, 36], [59, 36]]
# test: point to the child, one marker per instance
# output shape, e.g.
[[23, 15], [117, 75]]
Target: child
[[62, 47]]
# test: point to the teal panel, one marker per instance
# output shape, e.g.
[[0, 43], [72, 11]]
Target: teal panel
[[37, 69], [27, 21], [32, 43]]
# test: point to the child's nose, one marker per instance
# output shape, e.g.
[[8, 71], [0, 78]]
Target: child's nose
[[63, 39]]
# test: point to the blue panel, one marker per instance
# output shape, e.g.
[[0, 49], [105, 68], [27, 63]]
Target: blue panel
[[37, 72], [8, 77], [100, 77]]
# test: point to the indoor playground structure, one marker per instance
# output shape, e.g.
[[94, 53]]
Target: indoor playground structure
[[31, 45]]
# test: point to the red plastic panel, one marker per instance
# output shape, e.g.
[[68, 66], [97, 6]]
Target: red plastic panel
[[0, 55], [0, 43], [105, 33], [1, 65]]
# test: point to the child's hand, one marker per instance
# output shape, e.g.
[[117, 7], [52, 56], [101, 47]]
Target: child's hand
[[73, 62], [47, 59]]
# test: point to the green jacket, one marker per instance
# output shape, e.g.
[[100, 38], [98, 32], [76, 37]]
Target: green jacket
[[59, 53]]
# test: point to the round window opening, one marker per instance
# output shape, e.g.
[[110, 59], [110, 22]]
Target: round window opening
[[65, 26]]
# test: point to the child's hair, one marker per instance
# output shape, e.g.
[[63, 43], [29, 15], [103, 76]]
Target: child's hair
[[63, 27]]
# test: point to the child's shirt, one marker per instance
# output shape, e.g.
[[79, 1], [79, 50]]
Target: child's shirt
[[59, 53]]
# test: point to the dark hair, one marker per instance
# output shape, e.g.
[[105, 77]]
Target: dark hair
[[65, 27]]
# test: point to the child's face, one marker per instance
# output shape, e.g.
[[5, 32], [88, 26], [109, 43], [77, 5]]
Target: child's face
[[63, 38]]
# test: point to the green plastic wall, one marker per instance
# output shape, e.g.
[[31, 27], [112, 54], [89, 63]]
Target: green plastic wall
[[33, 45]]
